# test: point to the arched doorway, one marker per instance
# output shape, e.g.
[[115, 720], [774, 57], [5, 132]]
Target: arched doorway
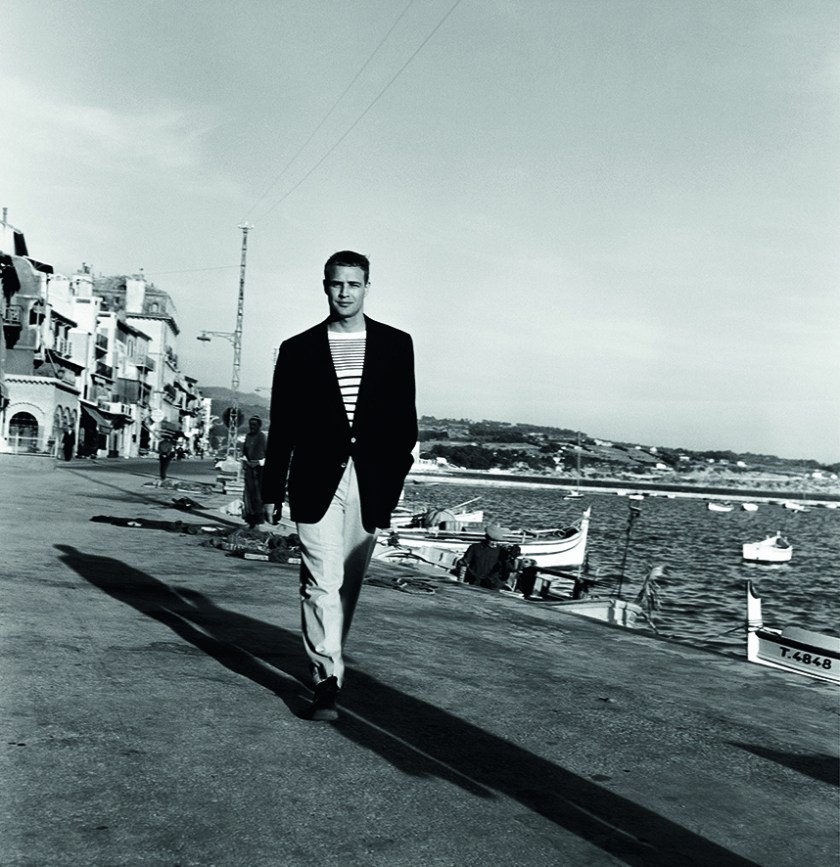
[[23, 432]]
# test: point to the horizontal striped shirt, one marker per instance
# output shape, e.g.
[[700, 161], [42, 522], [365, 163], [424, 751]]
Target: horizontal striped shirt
[[348, 355]]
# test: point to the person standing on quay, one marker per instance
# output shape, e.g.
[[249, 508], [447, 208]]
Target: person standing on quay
[[68, 443], [166, 449], [343, 424], [253, 458]]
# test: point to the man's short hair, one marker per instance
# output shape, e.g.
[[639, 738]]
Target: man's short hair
[[347, 259]]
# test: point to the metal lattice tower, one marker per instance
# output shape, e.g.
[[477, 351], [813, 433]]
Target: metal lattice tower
[[233, 423]]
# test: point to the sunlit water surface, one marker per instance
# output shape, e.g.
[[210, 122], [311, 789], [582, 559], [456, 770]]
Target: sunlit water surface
[[703, 597]]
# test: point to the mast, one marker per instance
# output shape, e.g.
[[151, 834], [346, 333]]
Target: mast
[[233, 421]]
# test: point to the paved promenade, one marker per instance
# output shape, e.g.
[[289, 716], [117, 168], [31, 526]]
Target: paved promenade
[[151, 692]]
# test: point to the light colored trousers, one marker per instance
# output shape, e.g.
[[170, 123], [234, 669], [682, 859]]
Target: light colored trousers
[[335, 554]]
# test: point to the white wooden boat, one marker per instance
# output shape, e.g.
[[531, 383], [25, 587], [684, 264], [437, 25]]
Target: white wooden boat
[[619, 612], [455, 518], [558, 548], [719, 507], [403, 517], [773, 549], [749, 507], [794, 649], [794, 507], [557, 594]]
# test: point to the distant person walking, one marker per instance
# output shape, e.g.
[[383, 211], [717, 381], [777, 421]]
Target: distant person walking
[[68, 443], [166, 451], [343, 424], [253, 458]]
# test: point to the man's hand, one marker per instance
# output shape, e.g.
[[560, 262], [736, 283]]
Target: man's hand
[[273, 512]]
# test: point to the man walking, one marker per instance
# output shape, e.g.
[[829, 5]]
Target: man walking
[[343, 424]]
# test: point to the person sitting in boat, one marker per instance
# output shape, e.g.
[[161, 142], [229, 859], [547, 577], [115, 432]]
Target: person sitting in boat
[[487, 563]]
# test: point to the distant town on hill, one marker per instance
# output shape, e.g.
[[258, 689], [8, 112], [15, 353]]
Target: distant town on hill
[[485, 444]]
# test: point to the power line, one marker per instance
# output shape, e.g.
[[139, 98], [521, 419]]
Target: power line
[[362, 115], [324, 119]]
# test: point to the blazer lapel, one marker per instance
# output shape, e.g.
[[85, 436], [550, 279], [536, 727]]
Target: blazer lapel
[[373, 357]]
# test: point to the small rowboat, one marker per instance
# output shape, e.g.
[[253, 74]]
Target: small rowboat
[[794, 507], [773, 549], [720, 507], [749, 507], [792, 648]]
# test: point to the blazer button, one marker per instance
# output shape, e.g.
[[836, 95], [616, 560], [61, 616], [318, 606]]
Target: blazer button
[[352, 439], [344, 465]]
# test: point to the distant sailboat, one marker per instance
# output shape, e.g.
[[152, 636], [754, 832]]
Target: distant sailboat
[[575, 494]]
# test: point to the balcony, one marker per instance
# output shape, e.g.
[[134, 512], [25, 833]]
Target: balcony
[[63, 347], [101, 344], [13, 315], [114, 407], [144, 361], [104, 370]]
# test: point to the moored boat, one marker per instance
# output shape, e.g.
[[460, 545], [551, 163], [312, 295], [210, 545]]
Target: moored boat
[[556, 547], [773, 549], [455, 518], [619, 612], [792, 649], [749, 507], [719, 507], [794, 507]]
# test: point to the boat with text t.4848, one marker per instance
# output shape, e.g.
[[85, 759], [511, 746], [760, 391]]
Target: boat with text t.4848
[[793, 648]]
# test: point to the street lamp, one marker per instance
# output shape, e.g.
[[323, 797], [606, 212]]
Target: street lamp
[[233, 420]]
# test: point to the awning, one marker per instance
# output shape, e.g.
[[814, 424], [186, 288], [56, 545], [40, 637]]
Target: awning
[[98, 419], [28, 277], [163, 426]]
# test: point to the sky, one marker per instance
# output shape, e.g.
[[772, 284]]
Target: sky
[[613, 216]]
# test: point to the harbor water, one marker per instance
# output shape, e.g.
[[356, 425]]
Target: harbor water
[[703, 593]]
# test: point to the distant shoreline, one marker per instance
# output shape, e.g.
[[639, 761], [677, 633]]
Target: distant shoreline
[[615, 486]]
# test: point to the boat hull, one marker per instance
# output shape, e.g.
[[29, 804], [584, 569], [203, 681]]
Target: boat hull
[[767, 551], [791, 649], [619, 612], [558, 551]]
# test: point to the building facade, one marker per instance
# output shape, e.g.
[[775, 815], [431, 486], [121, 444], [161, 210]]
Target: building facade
[[88, 365]]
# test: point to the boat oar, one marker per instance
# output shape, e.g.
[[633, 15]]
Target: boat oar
[[461, 505]]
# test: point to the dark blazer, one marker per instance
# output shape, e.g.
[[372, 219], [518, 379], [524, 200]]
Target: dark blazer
[[310, 438]]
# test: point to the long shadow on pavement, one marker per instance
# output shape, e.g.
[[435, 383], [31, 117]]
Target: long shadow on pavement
[[413, 735]]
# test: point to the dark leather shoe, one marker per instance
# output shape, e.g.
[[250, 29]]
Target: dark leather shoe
[[323, 705]]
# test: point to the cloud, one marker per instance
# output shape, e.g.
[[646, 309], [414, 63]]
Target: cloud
[[120, 140]]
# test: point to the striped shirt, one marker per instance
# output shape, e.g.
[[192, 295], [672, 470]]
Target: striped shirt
[[348, 355]]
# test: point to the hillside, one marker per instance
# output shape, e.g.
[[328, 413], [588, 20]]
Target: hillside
[[486, 443]]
